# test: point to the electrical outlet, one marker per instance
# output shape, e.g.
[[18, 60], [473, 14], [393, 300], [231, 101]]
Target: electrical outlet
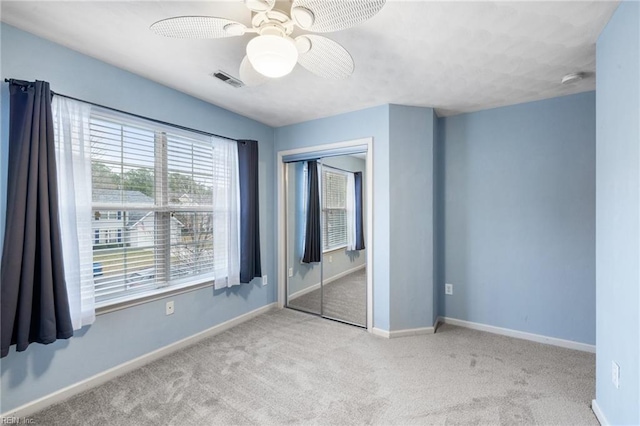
[[169, 308], [448, 289], [290, 272], [615, 374], [264, 280], [330, 259]]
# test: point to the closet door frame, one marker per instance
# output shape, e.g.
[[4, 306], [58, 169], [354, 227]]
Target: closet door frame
[[281, 213]]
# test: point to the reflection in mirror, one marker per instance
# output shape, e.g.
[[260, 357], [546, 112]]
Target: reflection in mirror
[[303, 278], [326, 241], [344, 256]]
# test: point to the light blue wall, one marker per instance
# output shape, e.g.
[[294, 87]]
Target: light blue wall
[[123, 335], [371, 122], [519, 217], [411, 216], [403, 239], [618, 215]]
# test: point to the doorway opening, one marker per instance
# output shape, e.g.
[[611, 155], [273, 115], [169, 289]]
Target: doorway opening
[[325, 228]]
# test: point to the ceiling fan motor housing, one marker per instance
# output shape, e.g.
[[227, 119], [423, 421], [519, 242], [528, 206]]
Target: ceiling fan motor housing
[[277, 18], [272, 29]]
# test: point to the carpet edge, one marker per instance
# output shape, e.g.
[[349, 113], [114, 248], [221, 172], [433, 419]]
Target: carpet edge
[[539, 338], [402, 333], [65, 393]]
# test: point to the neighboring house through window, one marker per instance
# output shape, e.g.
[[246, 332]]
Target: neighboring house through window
[[152, 192]]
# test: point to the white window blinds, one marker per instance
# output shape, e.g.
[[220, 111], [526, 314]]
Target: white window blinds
[[334, 189], [153, 205]]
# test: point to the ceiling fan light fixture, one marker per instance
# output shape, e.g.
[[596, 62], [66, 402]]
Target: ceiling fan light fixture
[[273, 56]]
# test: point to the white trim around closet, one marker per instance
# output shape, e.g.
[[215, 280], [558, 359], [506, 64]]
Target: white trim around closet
[[282, 254]]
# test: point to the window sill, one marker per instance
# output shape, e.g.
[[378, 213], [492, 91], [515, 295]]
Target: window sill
[[161, 293], [332, 249]]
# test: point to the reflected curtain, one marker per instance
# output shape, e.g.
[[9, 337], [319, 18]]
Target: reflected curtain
[[359, 208], [35, 306], [355, 227], [250, 265], [312, 241], [350, 204]]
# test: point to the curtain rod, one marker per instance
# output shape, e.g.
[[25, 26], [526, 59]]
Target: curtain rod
[[25, 83], [336, 168]]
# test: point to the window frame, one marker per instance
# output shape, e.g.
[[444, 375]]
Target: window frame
[[162, 209], [324, 210]]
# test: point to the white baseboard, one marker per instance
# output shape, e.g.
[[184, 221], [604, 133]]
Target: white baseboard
[[411, 332], [402, 333], [599, 414], [316, 286], [569, 344], [344, 273], [103, 377], [380, 332], [304, 291]]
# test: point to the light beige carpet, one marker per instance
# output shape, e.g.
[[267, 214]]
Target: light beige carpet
[[287, 367]]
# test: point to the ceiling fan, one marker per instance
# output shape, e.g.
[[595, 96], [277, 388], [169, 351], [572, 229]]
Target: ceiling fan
[[273, 53]]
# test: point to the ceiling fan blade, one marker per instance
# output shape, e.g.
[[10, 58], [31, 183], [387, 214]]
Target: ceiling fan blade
[[323, 16], [198, 27], [249, 76], [260, 5], [324, 57]]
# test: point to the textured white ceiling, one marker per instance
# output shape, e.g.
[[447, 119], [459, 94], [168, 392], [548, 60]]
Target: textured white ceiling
[[453, 56]]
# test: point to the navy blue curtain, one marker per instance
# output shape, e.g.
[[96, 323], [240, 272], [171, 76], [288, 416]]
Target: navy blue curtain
[[34, 303], [312, 242], [250, 266], [359, 208]]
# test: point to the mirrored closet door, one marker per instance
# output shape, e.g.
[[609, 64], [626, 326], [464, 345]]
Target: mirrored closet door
[[304, 277], [326, 242]]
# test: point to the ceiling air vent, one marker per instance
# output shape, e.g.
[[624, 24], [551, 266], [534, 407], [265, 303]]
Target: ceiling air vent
[[231, 81]]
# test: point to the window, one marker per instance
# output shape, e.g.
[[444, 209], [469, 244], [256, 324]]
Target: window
[[153, 205], [334, 209]]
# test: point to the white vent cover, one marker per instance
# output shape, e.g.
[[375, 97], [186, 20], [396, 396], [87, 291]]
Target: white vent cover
[[230, 80]]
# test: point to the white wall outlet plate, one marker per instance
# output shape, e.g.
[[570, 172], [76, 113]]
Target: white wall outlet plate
[[290, 272], [169, 308], [264, 280], [615, 374], [448, 289]]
